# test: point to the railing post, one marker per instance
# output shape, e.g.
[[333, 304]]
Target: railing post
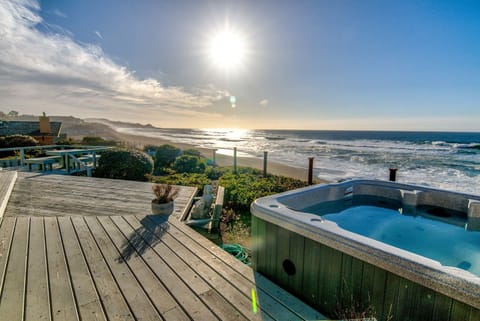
[[393, 174], [310, 170], [265, 153], [67, 163], [235, 160], [214, 157], [22, 156]]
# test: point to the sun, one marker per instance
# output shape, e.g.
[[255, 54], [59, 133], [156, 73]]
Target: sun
[[227, 50]]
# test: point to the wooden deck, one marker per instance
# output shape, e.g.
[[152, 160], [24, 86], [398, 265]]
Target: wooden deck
[[77, 248]]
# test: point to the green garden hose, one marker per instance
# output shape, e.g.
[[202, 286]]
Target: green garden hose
[[236, 250]]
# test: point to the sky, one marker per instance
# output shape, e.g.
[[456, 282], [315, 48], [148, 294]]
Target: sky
[[346, 64]]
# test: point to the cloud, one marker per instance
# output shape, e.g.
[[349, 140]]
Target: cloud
[[264, 102], [49, 69], [59, 13], [99, 35]]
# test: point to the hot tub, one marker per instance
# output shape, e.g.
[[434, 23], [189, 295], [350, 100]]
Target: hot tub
[[404, 251]]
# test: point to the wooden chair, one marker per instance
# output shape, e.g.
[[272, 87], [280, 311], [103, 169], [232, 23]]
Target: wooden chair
[[213, 222]]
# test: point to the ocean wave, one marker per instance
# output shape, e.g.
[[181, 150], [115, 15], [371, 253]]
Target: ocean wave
[[467, 146], [274, 138], [441, 143]]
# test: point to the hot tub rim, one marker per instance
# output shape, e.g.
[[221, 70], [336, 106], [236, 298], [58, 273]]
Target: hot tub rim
[[428, 272]]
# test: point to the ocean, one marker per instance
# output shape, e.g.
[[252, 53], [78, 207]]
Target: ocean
[[447, 160]]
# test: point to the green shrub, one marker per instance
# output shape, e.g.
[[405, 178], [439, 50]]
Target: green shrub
[[215, 173], [124, 164], [97, 141], [16, 141], [184, 179], [165, 156], [149, 147], [188, 164], [243, 188], [3, 144], [150, 150], [20, 141], [65, 141], [192, 152]]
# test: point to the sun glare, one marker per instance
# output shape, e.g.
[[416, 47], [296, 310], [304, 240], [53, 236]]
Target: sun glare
[[227, 50]]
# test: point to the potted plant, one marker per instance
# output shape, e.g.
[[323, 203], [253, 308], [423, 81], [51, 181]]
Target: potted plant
[[162, 204]]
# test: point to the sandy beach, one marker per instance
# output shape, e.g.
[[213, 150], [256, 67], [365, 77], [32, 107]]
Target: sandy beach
[[222, 160]]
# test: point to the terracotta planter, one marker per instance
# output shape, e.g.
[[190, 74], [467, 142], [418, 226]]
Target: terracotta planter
[[162, 209]]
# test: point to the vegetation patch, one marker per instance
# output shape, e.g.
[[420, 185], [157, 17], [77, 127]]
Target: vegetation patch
[[97, 141], [165, 156], [248, 184], [18, 141], [124, 164], [184, 179]]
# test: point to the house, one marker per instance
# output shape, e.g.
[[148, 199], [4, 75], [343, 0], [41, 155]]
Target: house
[[43, 130]]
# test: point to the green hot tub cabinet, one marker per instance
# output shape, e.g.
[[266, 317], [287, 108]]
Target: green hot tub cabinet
[[334, 270]]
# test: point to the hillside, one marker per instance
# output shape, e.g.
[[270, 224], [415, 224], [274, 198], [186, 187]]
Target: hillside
[[77, 128]]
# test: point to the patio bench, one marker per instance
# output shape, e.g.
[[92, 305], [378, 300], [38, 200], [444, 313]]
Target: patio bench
[[44, 163]]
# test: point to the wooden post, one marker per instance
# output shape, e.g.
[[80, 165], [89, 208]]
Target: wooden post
[[235, 160], [22, 156], [310, 170], [393, 174], [214, 157], [67, 163], [265, 163], [94, 159]]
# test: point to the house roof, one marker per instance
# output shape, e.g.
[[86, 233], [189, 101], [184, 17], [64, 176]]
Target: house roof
[[30, 128]]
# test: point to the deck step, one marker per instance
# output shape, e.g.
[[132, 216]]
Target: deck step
[[7, 181]]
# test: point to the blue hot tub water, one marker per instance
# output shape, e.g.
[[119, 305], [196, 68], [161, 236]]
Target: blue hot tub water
[[448, 244]]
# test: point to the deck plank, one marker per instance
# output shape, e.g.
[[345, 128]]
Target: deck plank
[[116, 308], [53, 199], [241, 303], [157, 292], [88, 301], [132, 291], [154, 240], [12, 300], [244, 281], [37, 301], [7, 227], [282, 302], [192, 303], [63, 303]]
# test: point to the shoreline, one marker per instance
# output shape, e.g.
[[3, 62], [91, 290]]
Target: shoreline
[[223, 160]]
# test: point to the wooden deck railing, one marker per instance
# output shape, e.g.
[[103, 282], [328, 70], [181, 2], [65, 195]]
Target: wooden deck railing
[[77, 162]]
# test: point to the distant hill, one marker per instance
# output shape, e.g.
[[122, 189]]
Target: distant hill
[[77, 128], [117, 124]]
